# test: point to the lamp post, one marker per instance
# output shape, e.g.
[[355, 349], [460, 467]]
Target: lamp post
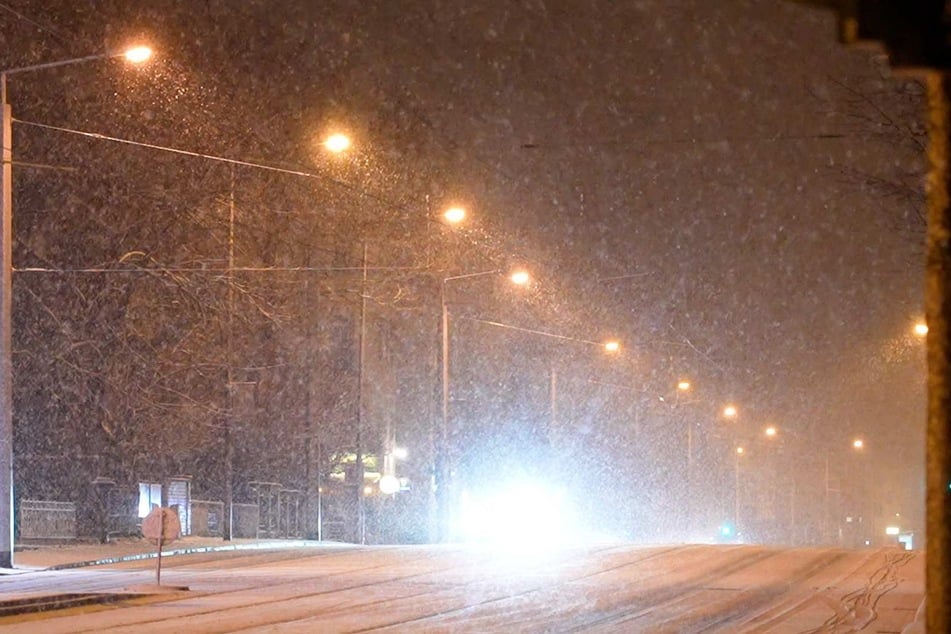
[[731, 413], [683, 387], [857, 445], [442, 468], [134, 55], [610, 346], [737, 453]]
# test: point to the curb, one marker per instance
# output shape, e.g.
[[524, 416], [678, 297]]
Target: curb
[[45, 603], [269, 545], [49, 602]]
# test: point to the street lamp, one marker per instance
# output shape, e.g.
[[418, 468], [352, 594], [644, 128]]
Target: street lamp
[[337, 143], [442, 470], [857, 445], [736, 485], [454, 215], [134, 55]]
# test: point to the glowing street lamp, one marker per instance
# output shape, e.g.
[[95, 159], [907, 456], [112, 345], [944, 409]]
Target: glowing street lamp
[[920, 329], [454, 215], [684, 386], [136, 55], [442, 468], [730, 411], [520, 277], [858, 443], [738, 452], [771, 431], [337, 143], [612, 346]]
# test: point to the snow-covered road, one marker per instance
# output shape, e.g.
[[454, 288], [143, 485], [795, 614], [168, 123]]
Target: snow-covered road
[[619, 588]]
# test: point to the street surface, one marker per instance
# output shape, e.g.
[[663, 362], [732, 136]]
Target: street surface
[[616, 588]]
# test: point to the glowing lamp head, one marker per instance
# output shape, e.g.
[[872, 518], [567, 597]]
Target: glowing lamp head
[[740, 451], [858, 443], [521, 278], [730, 411], [138, 54], [454, 215], [921, 329], [612, 346], [337, 143], [771, 431], [683, 386]]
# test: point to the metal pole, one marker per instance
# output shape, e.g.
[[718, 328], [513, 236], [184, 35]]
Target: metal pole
[[6, 325], [442, 437], [792, 513], [228, 528], [736, 490], [443, 459], [690, 492], [6, 306], [827, 525], [361, 502], [320, 516]]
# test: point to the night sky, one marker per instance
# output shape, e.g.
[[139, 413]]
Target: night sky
[[720, 175]]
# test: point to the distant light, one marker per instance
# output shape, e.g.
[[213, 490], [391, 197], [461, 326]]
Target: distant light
[[771, 431], [612, 346], [400, 453], [367, 490], [730, 411], [683, 386], [138, 54], [389, 484], [521, 278], [740, 450], [858, 443], [892, 530], [337, 143], [454, 215], [921, 329]]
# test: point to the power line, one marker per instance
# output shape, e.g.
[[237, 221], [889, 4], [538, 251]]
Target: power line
[[531, 331]]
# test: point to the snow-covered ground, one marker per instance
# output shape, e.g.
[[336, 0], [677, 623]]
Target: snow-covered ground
[[605, 588]]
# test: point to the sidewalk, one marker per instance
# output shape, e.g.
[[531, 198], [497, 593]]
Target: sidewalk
[[33, 558], [78, 554]]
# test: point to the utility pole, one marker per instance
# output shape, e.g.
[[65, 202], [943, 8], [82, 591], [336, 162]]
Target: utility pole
[[361, 500], [228, 523], [313, 528]]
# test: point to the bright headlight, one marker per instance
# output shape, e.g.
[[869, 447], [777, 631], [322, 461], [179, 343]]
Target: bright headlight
[[518, 513]]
